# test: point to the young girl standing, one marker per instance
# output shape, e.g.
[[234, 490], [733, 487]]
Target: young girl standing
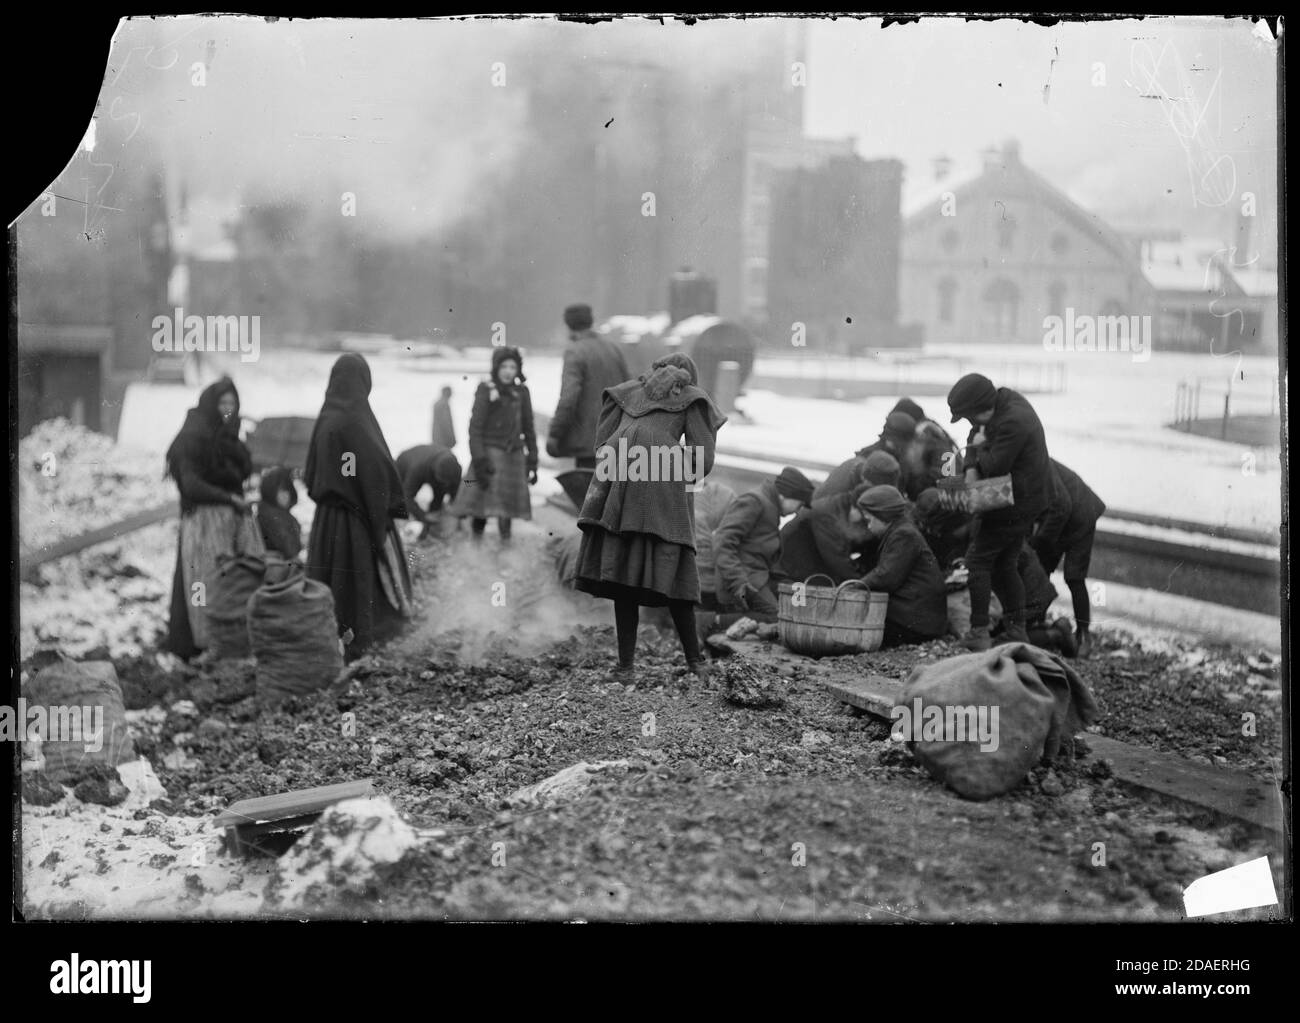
[[502, 449]]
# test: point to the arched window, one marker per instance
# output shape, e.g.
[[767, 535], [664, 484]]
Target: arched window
[[947, 299], [1001, 309], [1056, 298]]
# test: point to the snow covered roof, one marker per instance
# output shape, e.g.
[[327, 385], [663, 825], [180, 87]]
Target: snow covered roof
[[1255, 282], [1188, 264]]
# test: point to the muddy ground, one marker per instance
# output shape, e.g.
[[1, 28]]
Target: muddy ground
[[800, 811]]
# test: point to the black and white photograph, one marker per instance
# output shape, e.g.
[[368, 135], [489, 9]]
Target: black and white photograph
[[780, 469]]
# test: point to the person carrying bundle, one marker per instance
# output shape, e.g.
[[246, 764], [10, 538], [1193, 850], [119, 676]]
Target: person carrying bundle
[[905, 569], [1006, 438]]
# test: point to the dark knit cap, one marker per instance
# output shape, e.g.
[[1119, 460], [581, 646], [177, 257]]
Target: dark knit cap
[[578, 317], [792, 483], [910, 407], [899, 425], [884, 502], [972, 393], [881, 467]]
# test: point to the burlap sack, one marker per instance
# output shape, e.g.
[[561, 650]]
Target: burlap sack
[[1040, 702], [64, 691], [229, 589], [293, 633]]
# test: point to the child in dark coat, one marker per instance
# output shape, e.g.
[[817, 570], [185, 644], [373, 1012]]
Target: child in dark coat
[[502, 449], [279, 528]]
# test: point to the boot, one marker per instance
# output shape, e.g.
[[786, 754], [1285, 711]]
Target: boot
[[623, 674], [1069, 646], [1013, 630], [700, 669], [977, 638], [1085, 643]]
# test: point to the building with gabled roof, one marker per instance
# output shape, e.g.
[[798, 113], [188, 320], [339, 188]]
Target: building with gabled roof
[[989, 254]]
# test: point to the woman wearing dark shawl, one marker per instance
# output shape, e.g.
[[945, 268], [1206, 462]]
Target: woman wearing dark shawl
[[354, 546], [638, 533], [209, 463]]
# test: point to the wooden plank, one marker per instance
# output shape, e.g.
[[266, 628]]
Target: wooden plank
[[74, 544], [291, 804], [875, 694], [1224, 791]]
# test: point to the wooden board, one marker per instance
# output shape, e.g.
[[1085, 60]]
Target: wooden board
[[1224, 791], [285, 805], [74, 544]]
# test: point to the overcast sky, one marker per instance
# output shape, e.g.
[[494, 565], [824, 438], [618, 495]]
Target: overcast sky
[[1151, 123], [1186, 117]]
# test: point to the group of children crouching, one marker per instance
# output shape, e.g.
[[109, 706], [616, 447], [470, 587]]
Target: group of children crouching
[[878, 518]]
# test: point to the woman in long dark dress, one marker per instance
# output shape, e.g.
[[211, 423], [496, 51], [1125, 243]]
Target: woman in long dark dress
[[638, 534], [209, 463], [354, 546]]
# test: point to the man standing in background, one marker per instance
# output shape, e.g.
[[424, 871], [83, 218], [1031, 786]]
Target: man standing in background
[[444, 433], [591, 364]]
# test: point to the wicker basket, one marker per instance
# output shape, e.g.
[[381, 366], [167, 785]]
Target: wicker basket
[[833, 620], [955, 494]]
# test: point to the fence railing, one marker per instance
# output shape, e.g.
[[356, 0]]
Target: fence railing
[[1202, 398]]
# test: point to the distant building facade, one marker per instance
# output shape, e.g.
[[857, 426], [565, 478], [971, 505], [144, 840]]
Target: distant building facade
[[988, 258]]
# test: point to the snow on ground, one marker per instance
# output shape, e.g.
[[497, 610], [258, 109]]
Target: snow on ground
[[1108, 424], [129, 861]]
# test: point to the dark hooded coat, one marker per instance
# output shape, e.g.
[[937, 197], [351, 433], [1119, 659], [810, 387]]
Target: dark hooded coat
[[351, 476], [639, 534]]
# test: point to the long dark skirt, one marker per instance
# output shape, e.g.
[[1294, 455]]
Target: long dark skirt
[[205, 534], [635, 566], [339, 555]]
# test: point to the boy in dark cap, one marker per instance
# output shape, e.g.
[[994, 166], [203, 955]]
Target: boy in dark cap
[[905, 569], [747, 546], [1006, 438]]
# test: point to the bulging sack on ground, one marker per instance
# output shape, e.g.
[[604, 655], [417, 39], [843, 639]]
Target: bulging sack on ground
[[1002, 711], [229, 589], [293, 633], [81, 721]]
